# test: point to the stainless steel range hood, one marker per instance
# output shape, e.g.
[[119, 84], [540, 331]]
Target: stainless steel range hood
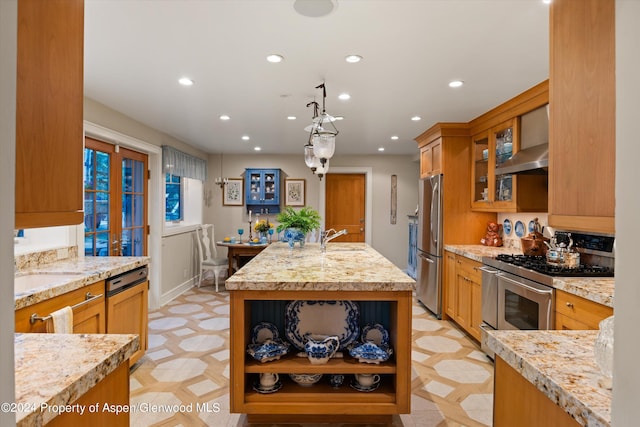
[[533, 156], [532, 160]]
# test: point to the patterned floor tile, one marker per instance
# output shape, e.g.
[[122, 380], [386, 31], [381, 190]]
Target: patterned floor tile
[[185, 372]]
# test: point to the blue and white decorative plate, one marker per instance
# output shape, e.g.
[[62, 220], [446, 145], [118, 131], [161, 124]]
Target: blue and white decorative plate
[[339, 318], [376, 334], [264, 331], [519, 228], [532, 226], [370, 353], [268, 351], [506, 227]]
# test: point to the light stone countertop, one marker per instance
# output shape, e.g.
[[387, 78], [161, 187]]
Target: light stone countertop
[[343, 267], [596, 289], [68, 275], [57, 369], [561, 364]]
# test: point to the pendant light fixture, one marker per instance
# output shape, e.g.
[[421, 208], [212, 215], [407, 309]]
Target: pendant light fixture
[[322, 137]]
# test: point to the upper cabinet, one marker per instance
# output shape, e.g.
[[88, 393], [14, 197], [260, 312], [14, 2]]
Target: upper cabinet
[[496, 137], [431, 159], [263, 190], [49, 113], [582, 115]]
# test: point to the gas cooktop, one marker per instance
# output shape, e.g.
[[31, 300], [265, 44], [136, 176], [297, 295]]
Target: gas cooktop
[[536, 268]]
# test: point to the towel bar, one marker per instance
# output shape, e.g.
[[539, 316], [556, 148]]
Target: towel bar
[[88, 298]]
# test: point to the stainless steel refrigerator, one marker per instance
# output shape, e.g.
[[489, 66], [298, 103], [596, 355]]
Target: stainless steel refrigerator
[[430, 247]]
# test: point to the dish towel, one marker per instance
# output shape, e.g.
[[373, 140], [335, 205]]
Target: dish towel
[[61, 321]]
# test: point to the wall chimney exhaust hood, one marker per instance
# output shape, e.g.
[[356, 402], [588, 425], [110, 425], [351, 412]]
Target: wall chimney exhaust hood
[[533, 156]]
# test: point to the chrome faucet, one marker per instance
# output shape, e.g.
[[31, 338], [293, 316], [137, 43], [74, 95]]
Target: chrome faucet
[[326, 237]]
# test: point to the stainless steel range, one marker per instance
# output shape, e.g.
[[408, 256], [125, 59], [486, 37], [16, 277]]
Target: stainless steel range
[[517, 290]]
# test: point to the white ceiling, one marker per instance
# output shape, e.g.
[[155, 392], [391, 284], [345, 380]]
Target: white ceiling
[[135, 51]]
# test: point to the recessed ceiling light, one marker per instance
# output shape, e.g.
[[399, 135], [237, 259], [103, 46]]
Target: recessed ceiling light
[[344, 96], [314, 8], [456, 83], [353, 58], [224, 117], [291, 117], [275, 58], [394, 137], [381, 149], [245, 137], [257, 148], [185, 81], [416, 118], [546, 1], [338, 117]]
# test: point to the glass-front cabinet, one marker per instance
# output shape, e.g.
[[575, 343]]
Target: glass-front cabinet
[[262, 189], [490, 149]]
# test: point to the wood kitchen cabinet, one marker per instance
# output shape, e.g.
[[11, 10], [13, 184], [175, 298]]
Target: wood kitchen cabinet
[[49, 113], [445, 148], [576, 313], [431, 159], [463, 292], [88, 318], [127, 313], [582, 140]]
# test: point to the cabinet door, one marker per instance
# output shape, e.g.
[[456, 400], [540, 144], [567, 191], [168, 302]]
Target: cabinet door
[[481, 185], [503, 142], [127, 313], [449, 290], [476, 309], [426, 163], [90, 319], [49, 102], [436, 157], [463, 300]]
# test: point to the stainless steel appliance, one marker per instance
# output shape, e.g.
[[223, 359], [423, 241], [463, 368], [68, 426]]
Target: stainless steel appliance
[[517, 290], [430, 246]]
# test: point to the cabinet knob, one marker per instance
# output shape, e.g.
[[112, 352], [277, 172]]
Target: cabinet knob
[[569, 304]]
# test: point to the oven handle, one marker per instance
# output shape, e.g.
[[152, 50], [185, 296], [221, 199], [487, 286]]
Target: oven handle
[[487, 270], [532, 289]]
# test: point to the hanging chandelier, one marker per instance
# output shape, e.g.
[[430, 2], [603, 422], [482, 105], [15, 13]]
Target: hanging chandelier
[[322, 137]]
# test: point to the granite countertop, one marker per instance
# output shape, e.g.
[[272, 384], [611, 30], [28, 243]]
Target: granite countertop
[[56, 369], [596, 289], [343, 267], [68, 275], [561, 364]]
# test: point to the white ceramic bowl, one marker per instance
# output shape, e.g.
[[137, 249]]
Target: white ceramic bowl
[[305, 380]]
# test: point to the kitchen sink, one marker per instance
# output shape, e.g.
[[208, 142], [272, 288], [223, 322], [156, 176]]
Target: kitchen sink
[[37, 280]]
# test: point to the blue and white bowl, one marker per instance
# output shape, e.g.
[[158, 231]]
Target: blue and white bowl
[[268, 351], [369, 352]]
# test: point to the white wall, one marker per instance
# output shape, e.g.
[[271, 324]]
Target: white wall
[[8, 38], [626, 375], [391, 240]]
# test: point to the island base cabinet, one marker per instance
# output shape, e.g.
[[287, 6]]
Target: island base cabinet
[[517, 402], [321, 402], [113, 391]]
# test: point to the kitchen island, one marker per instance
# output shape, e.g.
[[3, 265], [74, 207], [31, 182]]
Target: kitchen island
[[345, 272]]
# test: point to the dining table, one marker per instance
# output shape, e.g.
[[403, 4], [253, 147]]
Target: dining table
[[239, 250]]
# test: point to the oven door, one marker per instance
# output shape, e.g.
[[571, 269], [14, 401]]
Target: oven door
[[523, 304]]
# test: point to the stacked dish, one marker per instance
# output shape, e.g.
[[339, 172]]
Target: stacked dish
[[266, 344], [374, 347]]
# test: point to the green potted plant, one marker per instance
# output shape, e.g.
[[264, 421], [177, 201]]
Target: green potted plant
[[297, 224]]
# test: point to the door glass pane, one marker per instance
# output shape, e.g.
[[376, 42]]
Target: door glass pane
[[102, 171], [89, 211], [138, 210], [89, 244], [127, 210], [103, 208], [102, 244], [504, 150], [127, 179], [138, 176], [137, 242], [89, 178], [480, 169], [126, 242]]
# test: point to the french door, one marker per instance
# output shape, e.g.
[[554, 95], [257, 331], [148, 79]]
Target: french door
[[115, 200]]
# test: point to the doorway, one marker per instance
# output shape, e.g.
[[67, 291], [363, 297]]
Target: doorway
[[115, 200], [346, 202]]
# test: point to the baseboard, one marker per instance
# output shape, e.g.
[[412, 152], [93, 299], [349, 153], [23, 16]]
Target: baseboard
[[177, 291]]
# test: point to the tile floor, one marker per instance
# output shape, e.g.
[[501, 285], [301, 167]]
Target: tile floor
[[183, 380]]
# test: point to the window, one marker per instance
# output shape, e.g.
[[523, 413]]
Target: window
[[174, 200]]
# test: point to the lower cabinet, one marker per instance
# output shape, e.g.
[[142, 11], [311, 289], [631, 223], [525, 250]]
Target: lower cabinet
[[127, 314], [576, 313], [321, 402], [463, 292], [88, 314]]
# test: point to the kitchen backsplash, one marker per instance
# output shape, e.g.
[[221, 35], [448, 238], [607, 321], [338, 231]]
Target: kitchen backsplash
[[518, 223], [37, 259]]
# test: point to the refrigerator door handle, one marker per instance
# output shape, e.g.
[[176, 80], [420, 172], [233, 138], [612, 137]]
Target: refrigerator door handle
[[435, 206], [426, 259]]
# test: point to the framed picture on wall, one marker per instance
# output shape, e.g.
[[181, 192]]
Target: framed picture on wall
[[233, 192], [294, 192]]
